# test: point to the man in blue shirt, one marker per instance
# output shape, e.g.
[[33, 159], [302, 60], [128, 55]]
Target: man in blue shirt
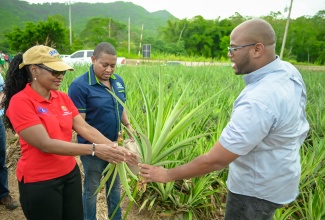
[[5, 198], [261, 142], [90, 93]]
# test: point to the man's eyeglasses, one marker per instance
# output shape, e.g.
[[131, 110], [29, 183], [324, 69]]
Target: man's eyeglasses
[[54, 72], [230, 49]]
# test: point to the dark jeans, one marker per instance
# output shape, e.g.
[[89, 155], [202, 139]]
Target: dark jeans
[[93, 169], [3, 168], [56, 199], [240, 207]]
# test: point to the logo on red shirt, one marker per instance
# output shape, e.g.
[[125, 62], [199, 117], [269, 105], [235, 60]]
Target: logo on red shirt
[[42, 110], [65, 110]]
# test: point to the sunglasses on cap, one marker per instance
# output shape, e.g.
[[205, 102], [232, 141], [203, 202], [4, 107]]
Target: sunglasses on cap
[[53, 72]]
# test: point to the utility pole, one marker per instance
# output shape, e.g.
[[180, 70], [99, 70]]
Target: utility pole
[[286, 31], [140, 43], [70, 25], [70, 21]]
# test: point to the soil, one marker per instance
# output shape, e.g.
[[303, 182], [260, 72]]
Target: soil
[[13, 154]]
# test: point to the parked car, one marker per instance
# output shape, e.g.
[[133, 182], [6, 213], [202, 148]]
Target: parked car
[[83, 57]]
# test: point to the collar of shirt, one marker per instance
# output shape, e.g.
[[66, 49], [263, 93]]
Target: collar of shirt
[[262, 72], [92, 79], [32, 93]]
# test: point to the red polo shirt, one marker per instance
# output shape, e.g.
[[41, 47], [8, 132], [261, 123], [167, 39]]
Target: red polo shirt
[[27, 108]]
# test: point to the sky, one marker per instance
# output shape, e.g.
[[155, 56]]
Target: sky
[[212, 9]]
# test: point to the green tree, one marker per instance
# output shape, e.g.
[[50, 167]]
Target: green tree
[[173, 30], [103, 29], [198, 37], [51, 33], [319, 49], [173, 37], [161, 46], [306, 39]]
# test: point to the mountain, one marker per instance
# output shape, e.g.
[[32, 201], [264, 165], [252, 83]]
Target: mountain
[[17, 13]]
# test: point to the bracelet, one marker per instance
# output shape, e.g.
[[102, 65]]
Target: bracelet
[[93, 153], [127, 124]]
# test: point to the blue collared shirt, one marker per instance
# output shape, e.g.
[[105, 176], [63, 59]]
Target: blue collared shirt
[[102, 110], [267, 128]]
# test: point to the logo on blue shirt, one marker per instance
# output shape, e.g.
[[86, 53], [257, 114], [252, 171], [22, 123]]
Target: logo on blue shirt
[[119, 85]]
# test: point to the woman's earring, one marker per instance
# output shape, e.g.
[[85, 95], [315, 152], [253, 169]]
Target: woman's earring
[[35, 79]]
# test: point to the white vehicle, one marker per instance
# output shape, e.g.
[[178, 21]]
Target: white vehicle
[[83, 57], [64, 55]]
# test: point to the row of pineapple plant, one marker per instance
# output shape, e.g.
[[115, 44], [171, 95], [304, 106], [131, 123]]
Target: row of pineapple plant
[[155, 93]]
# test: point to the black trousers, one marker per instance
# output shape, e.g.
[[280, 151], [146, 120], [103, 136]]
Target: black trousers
[[56, 199], [240, 207]]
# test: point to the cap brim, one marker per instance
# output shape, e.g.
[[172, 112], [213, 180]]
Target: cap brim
[[21, 65], [58, 66]]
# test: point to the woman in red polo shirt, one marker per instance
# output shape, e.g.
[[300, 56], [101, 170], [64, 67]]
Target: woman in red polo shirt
[[43, 117]]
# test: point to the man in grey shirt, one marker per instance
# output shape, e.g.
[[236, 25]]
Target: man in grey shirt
[[262, 140]]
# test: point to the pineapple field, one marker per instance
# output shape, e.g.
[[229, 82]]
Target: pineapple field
[[179, 112]]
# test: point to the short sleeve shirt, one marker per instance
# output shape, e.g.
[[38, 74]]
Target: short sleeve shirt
[[27, 108], [102, 109], [267, 128]]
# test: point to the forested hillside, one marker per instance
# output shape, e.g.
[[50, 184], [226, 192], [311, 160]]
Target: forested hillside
[[17, 13], [23, 25]]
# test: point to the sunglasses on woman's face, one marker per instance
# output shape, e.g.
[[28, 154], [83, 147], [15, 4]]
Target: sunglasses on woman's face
[[54, 72]]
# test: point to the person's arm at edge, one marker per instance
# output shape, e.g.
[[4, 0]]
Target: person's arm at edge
[[216, 159]]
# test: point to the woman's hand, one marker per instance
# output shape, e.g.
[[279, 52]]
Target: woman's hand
[[115, 154], [110, 153], [130, 158]]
